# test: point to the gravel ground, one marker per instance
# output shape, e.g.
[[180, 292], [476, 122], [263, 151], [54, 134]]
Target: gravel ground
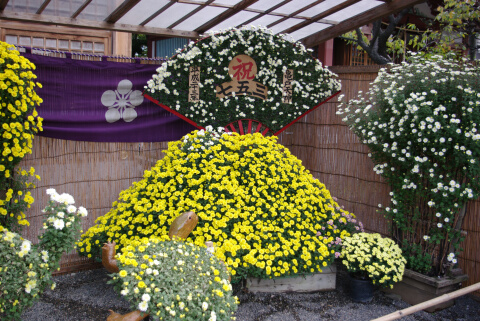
[[85, 296]]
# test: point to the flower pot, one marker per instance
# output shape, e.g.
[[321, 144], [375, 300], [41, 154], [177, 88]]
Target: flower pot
[[416, 288], [360, 290]]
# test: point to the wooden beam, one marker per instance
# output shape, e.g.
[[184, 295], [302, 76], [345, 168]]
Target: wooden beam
[[98, 25], [225, 15], [191, 13], [3, 4], [121, 11], [313, 4], [321, 15], [80, 9], [156, 13], [358, 21], [430, 303], [43, 6], [264, 13]]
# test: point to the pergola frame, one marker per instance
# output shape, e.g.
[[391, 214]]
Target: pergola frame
[[113, 21]]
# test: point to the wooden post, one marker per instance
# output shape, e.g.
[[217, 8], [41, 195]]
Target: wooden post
[[419, 307]]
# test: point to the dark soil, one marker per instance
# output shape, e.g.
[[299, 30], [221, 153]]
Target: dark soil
[[85, 296]]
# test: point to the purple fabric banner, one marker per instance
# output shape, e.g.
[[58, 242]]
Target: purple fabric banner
[[101, 101]]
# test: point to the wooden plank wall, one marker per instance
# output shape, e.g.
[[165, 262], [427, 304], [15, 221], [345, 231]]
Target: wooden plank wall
[[95, 173]]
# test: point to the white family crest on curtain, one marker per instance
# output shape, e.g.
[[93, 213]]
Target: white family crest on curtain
[[121, 103]]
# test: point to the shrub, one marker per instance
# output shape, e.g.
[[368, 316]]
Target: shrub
[[25, 269], [19, 123], [372, 257], [254, 200], [420, 121], [172, 279]]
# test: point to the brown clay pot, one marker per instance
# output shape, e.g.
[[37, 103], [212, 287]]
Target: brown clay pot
[[132, 316]]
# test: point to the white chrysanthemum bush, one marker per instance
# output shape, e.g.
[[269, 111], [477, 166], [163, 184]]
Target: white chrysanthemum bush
[[420, 120], [266, 214], [273, 54], [175, 280], [25, 268]]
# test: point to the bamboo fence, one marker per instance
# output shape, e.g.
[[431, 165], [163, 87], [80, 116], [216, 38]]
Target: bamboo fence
[[95, 173]]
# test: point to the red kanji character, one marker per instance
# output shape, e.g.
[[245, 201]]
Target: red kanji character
[[243, 70]]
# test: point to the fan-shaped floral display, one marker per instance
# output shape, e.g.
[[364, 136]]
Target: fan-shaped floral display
[[267, 215], [246, 73]]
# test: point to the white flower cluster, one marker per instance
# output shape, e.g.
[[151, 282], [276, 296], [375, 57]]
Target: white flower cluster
[[25, 248], [451, 258], [58, 219], [32, 283], [420, 120], [312, 82], [63, 198], [203, 139], [143, 305]]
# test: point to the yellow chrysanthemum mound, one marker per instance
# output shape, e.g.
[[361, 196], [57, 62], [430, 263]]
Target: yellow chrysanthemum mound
[[267, 215], [19, 122]]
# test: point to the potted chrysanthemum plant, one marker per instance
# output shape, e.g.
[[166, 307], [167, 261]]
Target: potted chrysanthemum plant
[[370, 260]]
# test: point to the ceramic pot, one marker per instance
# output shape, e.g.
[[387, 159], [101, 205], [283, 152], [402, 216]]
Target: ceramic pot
[[360, 290]]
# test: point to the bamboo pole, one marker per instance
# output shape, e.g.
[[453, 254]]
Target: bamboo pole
[[421, 306]]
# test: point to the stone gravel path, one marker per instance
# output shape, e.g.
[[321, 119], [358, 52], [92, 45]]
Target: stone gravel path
[[85, 296]]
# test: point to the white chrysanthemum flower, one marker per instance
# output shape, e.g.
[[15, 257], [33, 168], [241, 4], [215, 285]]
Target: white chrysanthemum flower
[[143, 306], [66, 199], [26, 245], [71, 209], [59, 224], [213, 316], [45, 256], [61, 214], [146, 297], [51, 191], [204, 306], [82, 211]]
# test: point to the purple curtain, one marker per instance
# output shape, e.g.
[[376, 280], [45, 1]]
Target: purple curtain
[[101, 101]]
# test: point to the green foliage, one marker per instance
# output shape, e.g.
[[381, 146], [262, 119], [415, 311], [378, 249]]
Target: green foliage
[[395, 45], [419, 120], [417, 259], [24, 274], [456, 20], [266, 214], [174, 280], [19, 122], [372, 257], [139, 45], [25, 269]]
